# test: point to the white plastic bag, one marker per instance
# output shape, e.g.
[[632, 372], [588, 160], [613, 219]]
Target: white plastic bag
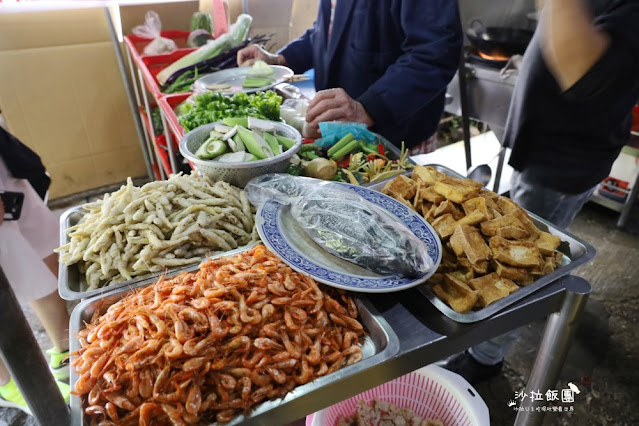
[[293, 112], [151, 29], [345, 225]]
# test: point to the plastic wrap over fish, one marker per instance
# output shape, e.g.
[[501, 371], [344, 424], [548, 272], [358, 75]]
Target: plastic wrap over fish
[[344, 224]]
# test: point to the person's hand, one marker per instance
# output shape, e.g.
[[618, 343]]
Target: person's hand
[[253, 52], [335, 105]]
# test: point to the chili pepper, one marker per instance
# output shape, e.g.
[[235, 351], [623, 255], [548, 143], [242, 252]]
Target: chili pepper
[[380, 148], [346, 161], [371, 157]]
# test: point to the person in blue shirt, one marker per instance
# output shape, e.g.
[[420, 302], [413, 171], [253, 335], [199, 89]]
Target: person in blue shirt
[[385, 63]]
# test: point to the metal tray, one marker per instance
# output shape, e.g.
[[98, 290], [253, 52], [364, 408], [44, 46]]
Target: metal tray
[[576, 252], [380, 344], [72, 284]]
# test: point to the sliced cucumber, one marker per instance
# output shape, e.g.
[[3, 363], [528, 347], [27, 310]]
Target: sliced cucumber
[[286, 142], [272, 142], [216, 147], [254, 143], [235, 157], [202, 153], [237, 121]]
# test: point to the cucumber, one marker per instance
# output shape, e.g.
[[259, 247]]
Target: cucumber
[[272, 142], [232, 157], [237, 121], [254, 143], [236, 144], [286, 142], [216, 147], [202, 153]]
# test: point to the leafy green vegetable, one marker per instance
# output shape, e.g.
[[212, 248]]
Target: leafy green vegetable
[[225, 42], [210, 107], [201, 21], [156, 115]]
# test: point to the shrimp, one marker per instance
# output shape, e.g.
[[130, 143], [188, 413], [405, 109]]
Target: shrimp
[[264, 343], [248, 315], [227, 381], [314, 356], [147, 410], [193, 399], [193, 363], [120, 401], [277, 375], [112, 411], [84, 384]]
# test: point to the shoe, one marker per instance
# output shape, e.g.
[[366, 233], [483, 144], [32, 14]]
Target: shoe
[[59, 364], [11, 397], [472, 370]]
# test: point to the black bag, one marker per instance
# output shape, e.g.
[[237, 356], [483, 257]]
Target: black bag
[[23, 163]]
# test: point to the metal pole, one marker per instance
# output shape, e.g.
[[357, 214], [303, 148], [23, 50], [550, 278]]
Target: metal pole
[[625, 211], [21, 354], [147, 107], [553, 349], [463, 101], [127, 89], [500, 167]]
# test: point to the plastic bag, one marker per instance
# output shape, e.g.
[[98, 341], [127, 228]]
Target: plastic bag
[[293, 112], [345, 224], [151, 29], [333, 131]]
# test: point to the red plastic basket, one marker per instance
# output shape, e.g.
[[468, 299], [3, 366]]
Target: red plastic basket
[[150, 66], [167, 105], [137, 44]]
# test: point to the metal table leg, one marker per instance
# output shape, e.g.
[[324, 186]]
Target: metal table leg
[[169, 144], [21, 353], [147, 107], [127, 89], [553, 349]]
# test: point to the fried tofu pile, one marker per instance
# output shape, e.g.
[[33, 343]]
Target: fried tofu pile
[[490, 244]]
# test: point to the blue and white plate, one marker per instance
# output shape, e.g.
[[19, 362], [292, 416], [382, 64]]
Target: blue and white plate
[[281, 233]]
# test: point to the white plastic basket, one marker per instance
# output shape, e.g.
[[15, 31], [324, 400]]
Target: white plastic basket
[[432, 392]]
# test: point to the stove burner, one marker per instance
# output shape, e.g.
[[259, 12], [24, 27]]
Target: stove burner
[[474, 56]]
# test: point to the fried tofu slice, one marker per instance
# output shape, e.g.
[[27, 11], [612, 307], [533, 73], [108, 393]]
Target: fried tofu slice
[[516, 253], [427, 174], [477, 203], [430, 195], [559, 256], [547, 243], [417, 201], [472, 219], [436, 278], [479, 268], [457, 190], [508, 206], [507, 226], [429, 213], [457, 294], [401, 186], [462, 274], [472, 243], [404, 201], [510, 272], [491, 288], [444, 225], [449, 207], [456, 241]]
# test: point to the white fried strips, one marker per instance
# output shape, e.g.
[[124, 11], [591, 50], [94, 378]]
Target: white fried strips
[[137, 230]]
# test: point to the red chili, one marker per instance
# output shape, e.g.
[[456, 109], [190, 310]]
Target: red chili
[[380, 148], [305, 140], [371, 157], [345, 162]]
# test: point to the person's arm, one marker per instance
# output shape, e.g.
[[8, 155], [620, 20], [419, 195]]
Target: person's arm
[[431, 53], [572, 43], [298, 54]]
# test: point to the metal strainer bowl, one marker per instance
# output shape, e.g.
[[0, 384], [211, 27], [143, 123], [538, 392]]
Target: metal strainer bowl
[[237, 174]]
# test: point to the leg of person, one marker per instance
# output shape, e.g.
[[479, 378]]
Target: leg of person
[[33, 282], [556, 207], [40, 228]]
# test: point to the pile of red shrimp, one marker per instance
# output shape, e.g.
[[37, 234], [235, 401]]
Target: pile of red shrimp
[[209, 345]]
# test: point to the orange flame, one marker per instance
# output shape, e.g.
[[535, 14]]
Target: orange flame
[[493, 57]]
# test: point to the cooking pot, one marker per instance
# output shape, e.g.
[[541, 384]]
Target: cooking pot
[[498, 41]]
